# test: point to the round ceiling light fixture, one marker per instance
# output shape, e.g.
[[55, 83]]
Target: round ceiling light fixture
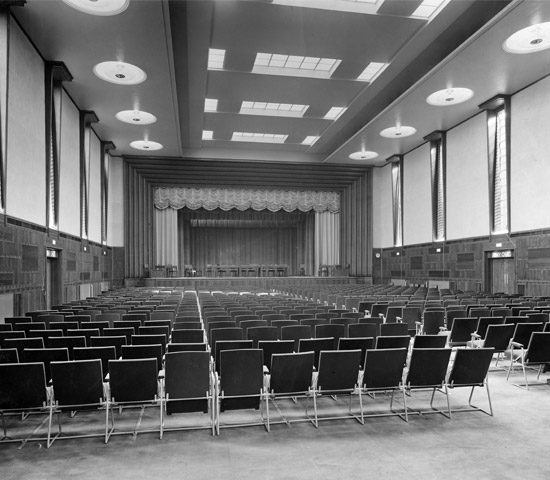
[[363, 155], [398, 131], [136, 117], [449, 96], [534, 38], [99, 7], [145, 145], [120, 73]]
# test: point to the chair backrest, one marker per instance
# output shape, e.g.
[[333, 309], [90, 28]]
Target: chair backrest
[[143, 351], [312, 322], [135, 317], [9, 355], [401, 341], [334, 331], [87, 333], [271, 347], [296, 332], [499, 336], [273, 316], [394, 329], [338, 370], [186, 347], [22, 385], [430, 341], [291, 373], [384, 368], [356, 343], [135, 324], [149, 340], [411, 315], [523, 331], [537, 317], [169, 315], [187, 381], [432, 321], [230, 333], [28, 326], [44, 334], [49, 318], [21, 343], [428, 367], [46, 356], [516, 319], [133, 380], [116, 342], [362, 330], [77, 383], [538, 350], [462, 329], [96, 353], [154, 330], [261, 333], [187, 336], [484, 322], [301, 316], [251, 324], [241, 375], [223, 345], [119, 332], [500, 312], [479, 312], [470, 366], [316, 345], [379, 308], [109, 317]]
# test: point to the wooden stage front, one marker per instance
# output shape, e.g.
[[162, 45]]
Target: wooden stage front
[[243, 283]]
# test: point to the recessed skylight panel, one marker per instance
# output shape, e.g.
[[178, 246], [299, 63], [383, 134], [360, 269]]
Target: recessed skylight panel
[[294, 65], [273, 109], [258, 137]]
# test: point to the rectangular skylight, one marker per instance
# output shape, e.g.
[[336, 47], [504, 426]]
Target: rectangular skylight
[[273, 109], [258, 137], [372, 70], [207, 135], [294, 65], [210, 104], [334, 113], [310, 140], [356, 6], [427, 8], [216, 58]]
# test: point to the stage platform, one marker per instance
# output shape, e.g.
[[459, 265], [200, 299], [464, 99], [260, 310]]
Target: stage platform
[[243, 283]]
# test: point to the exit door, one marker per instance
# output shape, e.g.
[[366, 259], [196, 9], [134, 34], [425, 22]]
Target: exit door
[[53, 279], [503, 275]]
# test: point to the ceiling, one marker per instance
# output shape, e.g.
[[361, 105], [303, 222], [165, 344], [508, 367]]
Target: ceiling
[[460, 45]]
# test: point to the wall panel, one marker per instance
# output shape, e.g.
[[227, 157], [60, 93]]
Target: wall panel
[[26, 162], [530, 169], [468, 179], [69, 169], [417, 203], [382, 207], [115, 222], [94, 189]]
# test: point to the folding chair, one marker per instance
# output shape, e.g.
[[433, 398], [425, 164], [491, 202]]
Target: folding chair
[[290, 377], [356, 343], [497, 337], [461, 330], [77, 385], [432, 322], [257, 334], [143, 351], [484, 323], [271, 347], [116, 342], [187, 336], [105, 354], [132, 383], [150, 340], [46, 356], [23, 392], [186, 347], [430, 341], [470, 368], [362, 330], [188, 387], [296, 332], [222, 345], [394, 329], [240, 384], [21, 343], [9, 355], [427, 371], [383, 370], [537, 353], [316, 345], [87, 333], [338, 375], [402, 341]]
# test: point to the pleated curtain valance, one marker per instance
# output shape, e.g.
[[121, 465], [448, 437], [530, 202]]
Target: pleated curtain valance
[[243, 199]]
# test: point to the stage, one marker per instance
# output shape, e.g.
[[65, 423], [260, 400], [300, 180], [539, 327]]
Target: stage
[[243, 283]]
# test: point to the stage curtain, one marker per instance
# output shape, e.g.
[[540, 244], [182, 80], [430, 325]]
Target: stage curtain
[[166, 223], [327, 239], [244, 199]]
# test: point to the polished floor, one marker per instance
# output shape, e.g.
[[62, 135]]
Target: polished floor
[[513, 444]]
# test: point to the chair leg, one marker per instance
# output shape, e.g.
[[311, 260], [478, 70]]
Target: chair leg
[[161, 426], [405, 404], [489, 397], [524, 373], [268, 426]]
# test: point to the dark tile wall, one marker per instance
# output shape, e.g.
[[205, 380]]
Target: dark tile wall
[[463, 262], [23, 264]]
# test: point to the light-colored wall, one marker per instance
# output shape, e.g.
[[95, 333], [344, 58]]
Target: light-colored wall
[[26, 163], [382, 207], [417, 202], [94, 195], [115, 229], [69, 169], [530, 164], [468, 179]]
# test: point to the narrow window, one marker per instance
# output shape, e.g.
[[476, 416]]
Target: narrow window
[[397, 200]]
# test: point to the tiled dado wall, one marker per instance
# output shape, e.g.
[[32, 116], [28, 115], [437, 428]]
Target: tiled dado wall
[[23, 265], [463, 262]]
